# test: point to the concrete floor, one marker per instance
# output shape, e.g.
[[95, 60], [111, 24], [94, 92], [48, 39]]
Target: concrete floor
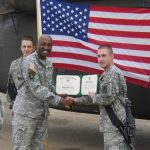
[[74, 131]]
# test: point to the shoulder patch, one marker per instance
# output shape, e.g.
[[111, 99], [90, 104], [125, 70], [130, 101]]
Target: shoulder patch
[[106, 89]]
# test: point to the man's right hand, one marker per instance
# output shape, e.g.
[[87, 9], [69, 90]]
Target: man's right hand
[[67, 102]]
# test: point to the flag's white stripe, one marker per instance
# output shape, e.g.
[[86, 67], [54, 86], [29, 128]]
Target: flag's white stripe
[[116, 27], [73, 50], [117, 15], [75, 62], [63, 38], [132, 64], [72, 39], [136, 76], [94, 66], [90, 53], [127, 40], [131, 52]]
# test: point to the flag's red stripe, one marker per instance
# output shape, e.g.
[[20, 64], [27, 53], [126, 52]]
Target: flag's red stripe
[[137, 59], [119, 33], [134, 70], [119, 9], [137, 82], [122, 45], [119, 21]]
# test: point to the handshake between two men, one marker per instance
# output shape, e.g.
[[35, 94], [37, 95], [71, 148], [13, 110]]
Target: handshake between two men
[[67, 101]]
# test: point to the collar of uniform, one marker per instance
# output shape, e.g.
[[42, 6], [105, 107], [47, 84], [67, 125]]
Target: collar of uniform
[[110, 67], [101, 77], [39, 60], [107, 71], [46, 63]]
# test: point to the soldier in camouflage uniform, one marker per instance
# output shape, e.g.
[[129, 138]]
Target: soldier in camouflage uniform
[[112, 92], [27, 47], [31, 107]]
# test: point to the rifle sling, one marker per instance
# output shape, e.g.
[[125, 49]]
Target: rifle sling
[[116, 122]]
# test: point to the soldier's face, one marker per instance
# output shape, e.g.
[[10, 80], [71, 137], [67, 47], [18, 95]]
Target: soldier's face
[[105, 58], [27, 47], [44, 47]]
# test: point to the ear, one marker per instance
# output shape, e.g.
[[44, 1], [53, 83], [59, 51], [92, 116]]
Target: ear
[[112, 56], [34, 47]]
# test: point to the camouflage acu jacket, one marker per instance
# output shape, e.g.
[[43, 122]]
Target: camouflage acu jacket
[[36, 92], [112, 91]]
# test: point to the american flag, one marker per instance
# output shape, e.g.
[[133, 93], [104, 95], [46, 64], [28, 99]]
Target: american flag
[[78, 30]]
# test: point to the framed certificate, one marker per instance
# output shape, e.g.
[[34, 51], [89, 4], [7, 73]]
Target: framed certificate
[[76, 85], [89, 84], [68, 84]]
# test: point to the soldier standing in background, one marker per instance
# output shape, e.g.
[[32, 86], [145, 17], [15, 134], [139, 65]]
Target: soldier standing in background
[[31, 107], [113, 91], [27, 47]]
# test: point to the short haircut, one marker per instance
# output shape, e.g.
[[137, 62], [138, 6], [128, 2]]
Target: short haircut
[[28, 38], [106, 46]]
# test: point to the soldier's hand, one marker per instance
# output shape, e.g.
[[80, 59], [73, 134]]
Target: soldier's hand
[[67, 102], [71, 101], [91, 94]]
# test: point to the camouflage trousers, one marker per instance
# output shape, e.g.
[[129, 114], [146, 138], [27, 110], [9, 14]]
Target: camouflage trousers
[[29, 133], [114, 141]]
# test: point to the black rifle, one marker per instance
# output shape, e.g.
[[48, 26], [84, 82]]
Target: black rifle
[[127, 129]]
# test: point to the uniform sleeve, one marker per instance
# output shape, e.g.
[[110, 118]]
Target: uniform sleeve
[[35, 86], [85, 100], [10, 81], [8, 97], [53, 88], [123, 85], [108, 92]]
